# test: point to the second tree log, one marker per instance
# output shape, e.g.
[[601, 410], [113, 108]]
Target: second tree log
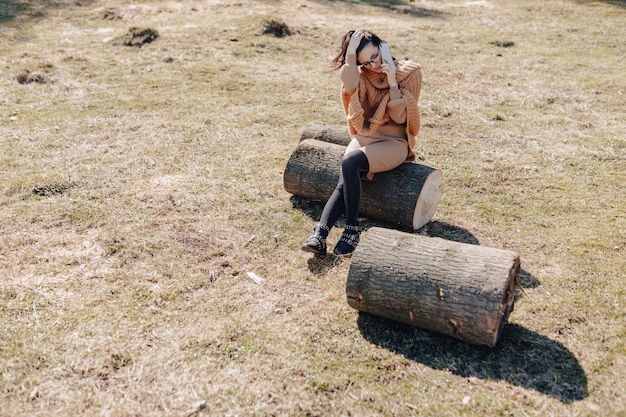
[[406, 196], [461, 290]]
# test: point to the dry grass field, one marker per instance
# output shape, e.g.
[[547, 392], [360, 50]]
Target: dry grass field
[[140, 184]]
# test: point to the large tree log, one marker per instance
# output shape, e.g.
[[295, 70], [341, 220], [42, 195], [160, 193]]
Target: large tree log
[[327, 133], [406, 196], [465, 291]]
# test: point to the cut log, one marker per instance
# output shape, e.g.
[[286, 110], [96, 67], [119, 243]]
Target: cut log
[[327, 133], [461, 290], [406, 196]]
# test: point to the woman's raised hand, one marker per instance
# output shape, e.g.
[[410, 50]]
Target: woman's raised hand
[[387, 64], [355, 40]]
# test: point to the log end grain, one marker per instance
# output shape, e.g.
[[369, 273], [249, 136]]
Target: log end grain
[[428, 199]]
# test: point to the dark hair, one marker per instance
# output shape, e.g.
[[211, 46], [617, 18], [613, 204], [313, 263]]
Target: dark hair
[[368, 38]]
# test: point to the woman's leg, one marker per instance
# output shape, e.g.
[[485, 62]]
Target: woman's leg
[[334, 207], [353, 166], [347, 194]]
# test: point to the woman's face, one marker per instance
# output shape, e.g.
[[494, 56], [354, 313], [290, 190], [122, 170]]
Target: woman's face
[[369, 57]]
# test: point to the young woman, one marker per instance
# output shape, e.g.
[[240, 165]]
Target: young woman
[[379, 96]]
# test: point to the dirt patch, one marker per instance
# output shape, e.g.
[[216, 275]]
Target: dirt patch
[[276, 28], [137, 37], [503, 44], [28, 77], [51, 189]]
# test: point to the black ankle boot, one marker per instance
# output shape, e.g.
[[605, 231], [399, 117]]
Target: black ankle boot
[[348, 241], [316, 243]]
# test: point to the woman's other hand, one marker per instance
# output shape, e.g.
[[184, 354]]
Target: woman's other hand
[[387, 64]]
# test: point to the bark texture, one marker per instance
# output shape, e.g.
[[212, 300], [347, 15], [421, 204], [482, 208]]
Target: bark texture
[[339, 135], [461, 290], [405, 197]]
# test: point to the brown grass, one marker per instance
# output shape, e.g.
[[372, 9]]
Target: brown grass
[[139, 186]]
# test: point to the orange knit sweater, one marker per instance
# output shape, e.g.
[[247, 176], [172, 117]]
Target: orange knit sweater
[[366, 107]]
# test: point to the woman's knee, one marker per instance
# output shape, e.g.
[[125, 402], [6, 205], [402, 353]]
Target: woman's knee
[[355, 162]]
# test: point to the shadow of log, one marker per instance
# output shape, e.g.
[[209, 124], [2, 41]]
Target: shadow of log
[[448, 232], [526, 280], [311, 208], [522, 357], [434, 228]]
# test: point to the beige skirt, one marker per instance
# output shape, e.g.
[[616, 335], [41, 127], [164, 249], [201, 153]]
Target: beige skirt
[[382, 154]]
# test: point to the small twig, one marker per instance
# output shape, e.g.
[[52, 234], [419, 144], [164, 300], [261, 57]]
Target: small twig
[[249, 241], [411, 406], [345, 392]]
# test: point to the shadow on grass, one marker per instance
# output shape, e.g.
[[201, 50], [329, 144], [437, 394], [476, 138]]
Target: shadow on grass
[[448, 232], [11, 10], [399, 6], [439, 229], [621, 3], [313, 209], [406, 6], [522, 357]]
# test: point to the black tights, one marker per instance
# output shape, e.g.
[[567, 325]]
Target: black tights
[[346, 198]]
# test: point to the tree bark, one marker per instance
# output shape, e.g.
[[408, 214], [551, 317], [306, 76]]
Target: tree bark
[[339, 135], [405, 197], [461, 290]]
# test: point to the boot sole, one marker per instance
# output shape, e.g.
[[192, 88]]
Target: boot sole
[[312, 250]]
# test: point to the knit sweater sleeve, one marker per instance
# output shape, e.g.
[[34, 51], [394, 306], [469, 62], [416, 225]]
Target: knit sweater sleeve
[[415, 84], [396, 107], [411, 92], [413, 87], [349, 74]]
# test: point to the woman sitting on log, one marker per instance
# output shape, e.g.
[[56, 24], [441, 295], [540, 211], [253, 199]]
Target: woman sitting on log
[[379, 96]]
